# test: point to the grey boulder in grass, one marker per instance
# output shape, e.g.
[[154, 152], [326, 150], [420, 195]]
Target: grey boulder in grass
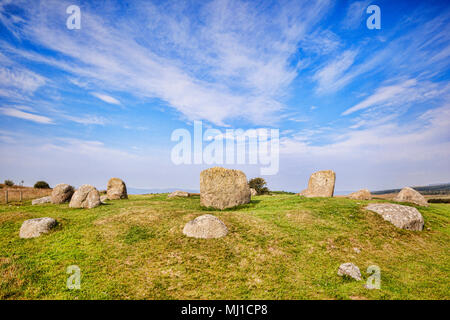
[[86, 197], [362, 194], [35, 227], [42, 200], [116, 189], [62, 193], [350, 270], [404, 217], [408, 194], [205, 227], [179, 193]]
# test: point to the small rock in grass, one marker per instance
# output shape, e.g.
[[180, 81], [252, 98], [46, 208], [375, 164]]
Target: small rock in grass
[[179, 193], [42, 200], [350, 270], [35, 227], [205, 227]]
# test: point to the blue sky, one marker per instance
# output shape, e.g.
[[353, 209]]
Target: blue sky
[[81, 106]]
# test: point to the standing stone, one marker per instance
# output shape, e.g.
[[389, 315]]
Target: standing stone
[[85, 197], [363, 194], [253, 192], [350, 270], [408, 194], [205, 227], [62, 193], [320, 184], [35, 227], [42, 200], [222, 188], [403, 217], [179, 194], [116, 189]]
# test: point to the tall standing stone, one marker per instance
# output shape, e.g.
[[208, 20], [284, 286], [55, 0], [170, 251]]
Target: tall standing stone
[[408, 194], [320, 184], [86, 196], [62, 193], [116, 189], [222, 188]]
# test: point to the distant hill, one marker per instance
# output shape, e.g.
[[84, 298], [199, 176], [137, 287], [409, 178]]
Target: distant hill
[[426, 190]]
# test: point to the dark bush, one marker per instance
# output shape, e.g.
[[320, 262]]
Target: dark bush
[[259, 184], [41, 185], [9, 183]]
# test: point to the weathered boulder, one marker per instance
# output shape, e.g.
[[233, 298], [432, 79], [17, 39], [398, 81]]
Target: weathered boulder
[[408, 194], [362, 194], [103, 198], [253, 192], [86, 196], [35, 227], [222, 188], [350, 270], [205, 227], [42, 200], [179, 193], [62, 193], [116, 189], [320, 184], [403, 217]]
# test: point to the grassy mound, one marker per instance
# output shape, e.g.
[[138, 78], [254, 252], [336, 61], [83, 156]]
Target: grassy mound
[[278, 247]]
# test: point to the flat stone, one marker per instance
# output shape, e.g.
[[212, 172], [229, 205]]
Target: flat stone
[[179, 193], [350, 270], [35, 227], [404, 217], [42, 200], [205, 227]]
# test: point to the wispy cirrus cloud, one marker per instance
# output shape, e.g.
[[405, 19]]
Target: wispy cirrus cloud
[[106, 98], [212, 76], [400, 94], [17, 113], [356, 11]]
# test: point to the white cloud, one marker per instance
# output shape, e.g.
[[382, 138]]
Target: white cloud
[[330, 76], [401, 93], [13, 112], [356, 12], [230, 62], [106, 98]]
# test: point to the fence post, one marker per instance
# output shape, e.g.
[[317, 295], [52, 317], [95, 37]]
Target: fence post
[[20, 196], [6, 196]]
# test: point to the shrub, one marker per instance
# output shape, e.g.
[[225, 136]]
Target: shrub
[[259, 184], [41, 185], [9, 183]]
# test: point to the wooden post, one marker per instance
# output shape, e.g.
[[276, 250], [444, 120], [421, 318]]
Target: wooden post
[[6, 196], [21, 196]]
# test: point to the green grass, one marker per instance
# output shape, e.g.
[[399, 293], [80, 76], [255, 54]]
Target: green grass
[[278, 247]]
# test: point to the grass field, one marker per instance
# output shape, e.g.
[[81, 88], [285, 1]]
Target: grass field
[[278, 247]]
